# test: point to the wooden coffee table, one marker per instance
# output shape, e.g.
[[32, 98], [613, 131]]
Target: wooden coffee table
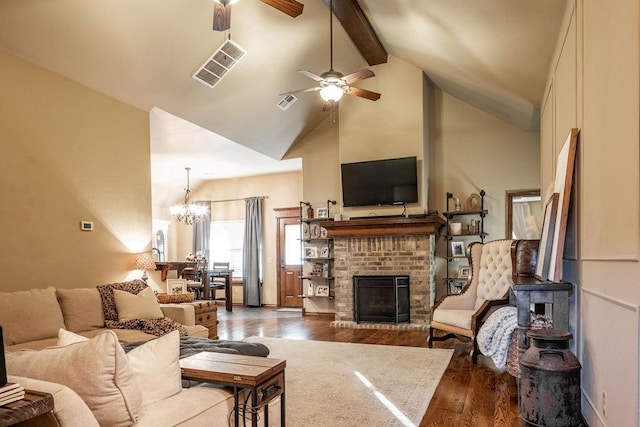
[[262, 377]]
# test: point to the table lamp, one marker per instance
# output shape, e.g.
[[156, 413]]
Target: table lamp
[[144, 262]]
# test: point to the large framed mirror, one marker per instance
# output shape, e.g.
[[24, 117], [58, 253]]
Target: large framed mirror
[[523, 214]]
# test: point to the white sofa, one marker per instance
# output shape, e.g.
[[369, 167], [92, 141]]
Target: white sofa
[[94, 382]]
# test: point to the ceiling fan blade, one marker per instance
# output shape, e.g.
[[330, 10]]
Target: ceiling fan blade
[[311, 89], [357, 76], [311, 75], [363, 93], [290, 7], [221, 16]]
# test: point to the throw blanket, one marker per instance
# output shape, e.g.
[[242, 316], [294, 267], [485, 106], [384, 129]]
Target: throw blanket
[[193, 345], [495, 335], [157, 327]]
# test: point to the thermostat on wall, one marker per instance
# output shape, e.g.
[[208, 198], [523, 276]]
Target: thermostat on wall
[[86, 225]]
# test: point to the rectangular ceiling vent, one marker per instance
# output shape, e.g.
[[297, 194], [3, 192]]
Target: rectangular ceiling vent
[[220, 63], [286, 102]]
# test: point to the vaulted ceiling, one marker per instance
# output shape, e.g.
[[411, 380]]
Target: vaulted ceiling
[[493, 54]]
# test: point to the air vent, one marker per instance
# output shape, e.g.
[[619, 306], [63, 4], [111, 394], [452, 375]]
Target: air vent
[[286, 102], [220, 63]]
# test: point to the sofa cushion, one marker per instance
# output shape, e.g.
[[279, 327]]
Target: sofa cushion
[[30, 315], [108, 301], [98, 370], [144, 305], [81, 308]]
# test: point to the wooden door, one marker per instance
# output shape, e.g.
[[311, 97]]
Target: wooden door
[[289, 261]]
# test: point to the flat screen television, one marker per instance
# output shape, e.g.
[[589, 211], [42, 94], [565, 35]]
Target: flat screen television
[[380, 182]]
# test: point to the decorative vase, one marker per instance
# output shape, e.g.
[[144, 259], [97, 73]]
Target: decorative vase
[[310, 212]]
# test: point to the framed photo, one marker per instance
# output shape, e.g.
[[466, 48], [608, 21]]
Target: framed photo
[[464, 271], [324, 251], [456, 286], [457, 249], [322, 213], [322, 291], [546, 238], [310, 252], [176, 286]]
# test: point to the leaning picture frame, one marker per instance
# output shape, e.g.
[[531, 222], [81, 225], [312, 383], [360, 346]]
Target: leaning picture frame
[[457, 249], [464, 271], [546, 238], [176, 286]]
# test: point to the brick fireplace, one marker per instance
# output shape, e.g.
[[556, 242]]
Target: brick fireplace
[[398, 246]]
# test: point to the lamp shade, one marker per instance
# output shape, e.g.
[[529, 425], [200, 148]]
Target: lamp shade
[[144, 261]]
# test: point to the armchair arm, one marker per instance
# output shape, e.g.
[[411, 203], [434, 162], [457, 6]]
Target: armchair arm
[[488, 307], [181, 313]]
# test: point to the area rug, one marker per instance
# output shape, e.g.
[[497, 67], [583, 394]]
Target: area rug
[[344, 385]]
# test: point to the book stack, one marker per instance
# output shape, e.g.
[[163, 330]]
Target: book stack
[[11, 392]]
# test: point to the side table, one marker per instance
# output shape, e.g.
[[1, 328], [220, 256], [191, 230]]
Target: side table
[[529, 290], [262, 377], [32, 405]]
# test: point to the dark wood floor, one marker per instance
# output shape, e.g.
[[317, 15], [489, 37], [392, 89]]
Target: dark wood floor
[[468, 395]]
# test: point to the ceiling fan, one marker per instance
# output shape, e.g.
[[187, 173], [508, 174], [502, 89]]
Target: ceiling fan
[[222, 11], [333, 84]]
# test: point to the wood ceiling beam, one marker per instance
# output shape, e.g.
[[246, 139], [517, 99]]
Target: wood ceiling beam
[[357, 26]]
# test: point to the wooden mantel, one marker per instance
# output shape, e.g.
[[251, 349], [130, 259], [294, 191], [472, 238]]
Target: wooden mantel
[[371, 227]]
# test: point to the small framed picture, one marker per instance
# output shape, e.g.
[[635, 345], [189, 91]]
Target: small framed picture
[[464, 271], [176, 286], [457, 249], [322, 291], [322, 213], [311, 252], [324, 251]]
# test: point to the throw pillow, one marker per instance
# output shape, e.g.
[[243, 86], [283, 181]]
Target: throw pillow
[[144, 305], [98, 370], [106, 294], [156, 368], [67, 338]]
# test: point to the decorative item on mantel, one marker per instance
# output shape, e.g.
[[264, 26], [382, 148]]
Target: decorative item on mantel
[[144, 262], [188, 213]]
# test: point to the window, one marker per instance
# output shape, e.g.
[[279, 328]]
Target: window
[[225, 244]]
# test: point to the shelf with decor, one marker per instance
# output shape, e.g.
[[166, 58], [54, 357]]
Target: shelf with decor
[[316, 249], [459, 235]]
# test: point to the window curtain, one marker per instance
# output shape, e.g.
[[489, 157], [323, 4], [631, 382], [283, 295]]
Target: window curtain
[[252, 251], [202, 231]]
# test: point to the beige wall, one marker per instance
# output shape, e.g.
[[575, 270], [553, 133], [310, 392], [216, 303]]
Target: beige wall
[[593, 85], [280, 190], [471, 151], [69, 154]]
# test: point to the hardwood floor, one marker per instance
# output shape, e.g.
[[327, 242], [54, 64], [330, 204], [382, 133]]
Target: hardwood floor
[[468, 395]]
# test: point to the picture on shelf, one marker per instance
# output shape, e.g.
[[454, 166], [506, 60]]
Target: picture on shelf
[[317, 269], [322, 291], [324, 251], [457, 249], [322, 213], [176, 286], [311, 252], [464, 271]]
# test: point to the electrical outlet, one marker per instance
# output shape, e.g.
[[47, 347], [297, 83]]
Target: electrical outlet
[[604, 404]]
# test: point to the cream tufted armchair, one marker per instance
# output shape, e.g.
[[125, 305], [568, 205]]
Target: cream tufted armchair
[[492, 274]]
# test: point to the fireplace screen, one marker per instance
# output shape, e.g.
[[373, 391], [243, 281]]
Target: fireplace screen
[[381, 299]]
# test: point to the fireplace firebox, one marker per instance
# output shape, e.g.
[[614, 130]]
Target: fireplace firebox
[[381, 299]]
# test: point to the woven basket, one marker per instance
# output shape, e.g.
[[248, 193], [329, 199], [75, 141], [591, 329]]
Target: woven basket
[[176, 298]]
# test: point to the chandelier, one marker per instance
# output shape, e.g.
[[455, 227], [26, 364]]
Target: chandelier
[[186, 212]]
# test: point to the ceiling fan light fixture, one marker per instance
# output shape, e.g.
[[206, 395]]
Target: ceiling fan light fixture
[[331, 93]]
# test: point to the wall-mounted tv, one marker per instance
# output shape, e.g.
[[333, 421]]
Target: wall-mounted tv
[[380, 182]]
